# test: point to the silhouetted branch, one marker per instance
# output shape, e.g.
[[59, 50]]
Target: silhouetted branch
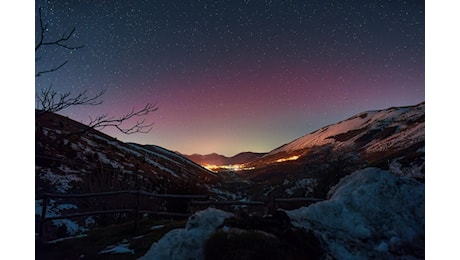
[[61, 42], [104, 120], [49, 100], [51, 70]]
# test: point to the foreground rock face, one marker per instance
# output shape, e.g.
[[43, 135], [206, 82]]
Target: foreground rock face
[[370, 214]]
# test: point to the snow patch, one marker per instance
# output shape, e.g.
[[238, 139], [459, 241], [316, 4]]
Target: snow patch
[[370, 214], [223, 194], [62, 183], [103, 158], [414, 170], [53, 209], [157, 227], [114, 143], [304, 184], [120, 248], [148, 151]]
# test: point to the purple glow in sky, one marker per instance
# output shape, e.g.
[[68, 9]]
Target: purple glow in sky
[[234, 76]]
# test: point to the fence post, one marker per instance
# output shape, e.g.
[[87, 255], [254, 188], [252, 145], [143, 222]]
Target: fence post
[[136, 213], [189, 206], [42, 217], [274, 206]]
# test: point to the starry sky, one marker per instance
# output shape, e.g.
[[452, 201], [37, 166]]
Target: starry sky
[[233, 76]]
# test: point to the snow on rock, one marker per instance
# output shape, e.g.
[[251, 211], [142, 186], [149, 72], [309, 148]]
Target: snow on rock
[[120, 248], [370, 214], [188, 243]]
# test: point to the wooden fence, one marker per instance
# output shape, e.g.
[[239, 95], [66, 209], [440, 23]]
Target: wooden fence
[[192, 201], [135, 210]]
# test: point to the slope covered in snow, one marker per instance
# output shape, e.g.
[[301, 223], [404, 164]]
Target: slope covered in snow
[[372, 131], [70, 158]]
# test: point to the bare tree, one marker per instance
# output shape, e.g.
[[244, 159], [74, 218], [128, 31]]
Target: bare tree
[[50, 100]]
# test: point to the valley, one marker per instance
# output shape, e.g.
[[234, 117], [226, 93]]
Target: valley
[[308, 168]]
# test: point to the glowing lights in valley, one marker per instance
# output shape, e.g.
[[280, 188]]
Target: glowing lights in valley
[[292, 158], [242, 167], [231, 167]]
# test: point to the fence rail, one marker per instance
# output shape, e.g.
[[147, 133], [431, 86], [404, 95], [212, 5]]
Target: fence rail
[[192, 200], [229, 202], [135, 210], [111, 193], [296, 200]]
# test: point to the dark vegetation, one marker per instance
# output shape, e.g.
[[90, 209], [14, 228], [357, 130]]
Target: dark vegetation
[[99, 239]]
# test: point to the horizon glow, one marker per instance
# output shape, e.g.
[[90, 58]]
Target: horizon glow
[[236, 76]]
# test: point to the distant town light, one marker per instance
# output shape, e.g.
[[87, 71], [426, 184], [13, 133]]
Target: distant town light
[[231, 167], [292, 158]]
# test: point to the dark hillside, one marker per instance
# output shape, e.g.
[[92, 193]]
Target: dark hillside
[[70, 158]]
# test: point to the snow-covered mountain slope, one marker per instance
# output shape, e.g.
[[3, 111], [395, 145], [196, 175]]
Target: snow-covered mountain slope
[[70, 158], [68, 161], [373, 131], [392, 139]]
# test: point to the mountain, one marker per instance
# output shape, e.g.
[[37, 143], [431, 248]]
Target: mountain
[[217, 159], [382, 136], [372, 131], [70, 158], [67, 155], [211, 159], [392, 139]]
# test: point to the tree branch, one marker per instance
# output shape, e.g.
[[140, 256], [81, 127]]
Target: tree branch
[[61, 42], [103, 121], [49, 100], [51, 70]]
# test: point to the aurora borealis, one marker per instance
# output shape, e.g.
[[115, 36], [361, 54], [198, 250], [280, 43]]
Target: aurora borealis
[[234, 76]]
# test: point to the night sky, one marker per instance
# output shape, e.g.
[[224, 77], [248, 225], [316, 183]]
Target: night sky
[[234, 76]]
